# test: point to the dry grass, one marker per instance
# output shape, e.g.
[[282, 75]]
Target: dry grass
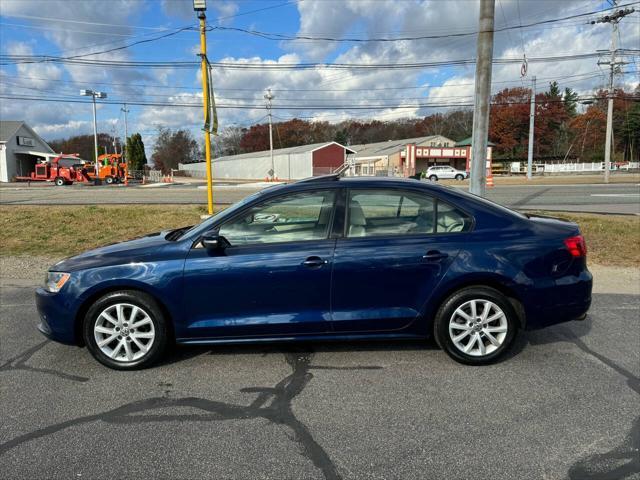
[[611, 239], [60, 231]]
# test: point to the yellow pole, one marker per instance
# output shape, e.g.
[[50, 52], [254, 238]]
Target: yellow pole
[[205, 97]]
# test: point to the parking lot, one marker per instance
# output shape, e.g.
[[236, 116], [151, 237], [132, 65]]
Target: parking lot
[[564, 405]]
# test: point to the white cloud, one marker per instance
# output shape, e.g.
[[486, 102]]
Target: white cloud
[[366, 18]]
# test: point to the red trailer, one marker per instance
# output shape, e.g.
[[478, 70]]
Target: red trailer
[[62, 170]]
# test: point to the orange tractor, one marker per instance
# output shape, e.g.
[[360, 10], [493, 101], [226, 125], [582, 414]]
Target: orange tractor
[[111, 168]]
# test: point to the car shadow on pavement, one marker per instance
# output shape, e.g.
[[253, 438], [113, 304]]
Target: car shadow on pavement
[[181, 353]]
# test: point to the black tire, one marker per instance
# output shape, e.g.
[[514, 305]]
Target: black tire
[[59, 181], [108, 180], [153, 310], [461, 297], [459, 177], [433, 178]]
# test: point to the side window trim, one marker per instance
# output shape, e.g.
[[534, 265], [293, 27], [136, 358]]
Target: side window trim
[[244, 210]]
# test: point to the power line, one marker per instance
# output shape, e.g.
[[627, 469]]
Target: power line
[[283, 36], [293, 2], [275, 89], [284, 107], [20, 59], [66, 20]]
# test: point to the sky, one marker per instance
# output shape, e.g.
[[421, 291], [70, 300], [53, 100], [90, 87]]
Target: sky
[[165, 32]]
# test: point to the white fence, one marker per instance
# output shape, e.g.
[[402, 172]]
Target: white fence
[[585, 167], [519, 167]]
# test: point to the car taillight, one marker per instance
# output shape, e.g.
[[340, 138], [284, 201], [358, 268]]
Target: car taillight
[[576, 246]]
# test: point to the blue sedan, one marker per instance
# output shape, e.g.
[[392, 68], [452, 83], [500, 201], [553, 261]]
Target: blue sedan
[[327, 258]]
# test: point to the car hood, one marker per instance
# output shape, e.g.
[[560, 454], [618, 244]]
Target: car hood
[[136, 250]]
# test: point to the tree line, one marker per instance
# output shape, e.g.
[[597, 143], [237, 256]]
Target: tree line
[[564, 129], [561, 130]]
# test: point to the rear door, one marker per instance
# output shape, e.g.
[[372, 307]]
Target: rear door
[[395, 249]]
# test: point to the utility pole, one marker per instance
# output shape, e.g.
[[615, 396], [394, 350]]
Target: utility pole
[[482, 98], [268, 97], [200, 7], [124, 149], [614, 20], [532, 121], [93, 94]]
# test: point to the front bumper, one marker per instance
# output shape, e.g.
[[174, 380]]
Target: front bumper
[[57, 317], [564, 299]]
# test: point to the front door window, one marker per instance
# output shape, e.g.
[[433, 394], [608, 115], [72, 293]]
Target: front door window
[[294, 218]]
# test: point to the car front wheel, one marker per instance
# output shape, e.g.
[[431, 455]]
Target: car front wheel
[[126, 330], [459, 177], [476, 325], [433, 178]]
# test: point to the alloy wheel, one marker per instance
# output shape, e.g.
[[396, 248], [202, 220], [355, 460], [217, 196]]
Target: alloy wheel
[[478, 327], [124, 332]]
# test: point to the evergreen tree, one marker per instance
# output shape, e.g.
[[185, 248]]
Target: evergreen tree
[[570, 101], [136, 157]]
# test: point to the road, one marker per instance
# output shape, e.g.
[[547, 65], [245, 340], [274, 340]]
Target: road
[[598, 198], [564, 405]]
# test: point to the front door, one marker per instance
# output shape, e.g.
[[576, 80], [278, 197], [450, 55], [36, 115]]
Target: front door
[[274, 278], [395, 250]]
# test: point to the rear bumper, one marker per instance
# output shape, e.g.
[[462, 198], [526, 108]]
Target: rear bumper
[[564, 299], [56, 317]]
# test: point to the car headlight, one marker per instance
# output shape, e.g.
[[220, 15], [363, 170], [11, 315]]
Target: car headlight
[[55, 281]]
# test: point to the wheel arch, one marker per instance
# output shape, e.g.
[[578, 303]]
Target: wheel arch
[[100, 292], [497, 282]]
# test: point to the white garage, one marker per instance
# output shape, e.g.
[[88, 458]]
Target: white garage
[[20, 149], [291, 163]]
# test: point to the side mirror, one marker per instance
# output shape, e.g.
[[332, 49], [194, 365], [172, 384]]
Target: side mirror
[[213, 241]]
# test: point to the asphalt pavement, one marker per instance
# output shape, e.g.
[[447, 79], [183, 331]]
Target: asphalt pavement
[[597, 198], [563, 405]]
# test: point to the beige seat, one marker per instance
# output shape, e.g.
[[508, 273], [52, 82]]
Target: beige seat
[[357, 221]]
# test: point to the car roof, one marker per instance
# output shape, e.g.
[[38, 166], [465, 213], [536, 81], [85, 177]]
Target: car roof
[[373, 182]]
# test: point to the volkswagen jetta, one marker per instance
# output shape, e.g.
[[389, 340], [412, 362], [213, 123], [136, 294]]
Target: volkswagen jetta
[[327, 258]]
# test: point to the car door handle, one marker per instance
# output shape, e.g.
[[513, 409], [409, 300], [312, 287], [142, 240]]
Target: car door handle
[[434, 256], [314, 262]]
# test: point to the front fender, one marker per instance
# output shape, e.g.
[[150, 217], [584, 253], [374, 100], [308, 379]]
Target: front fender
[[161, 279]]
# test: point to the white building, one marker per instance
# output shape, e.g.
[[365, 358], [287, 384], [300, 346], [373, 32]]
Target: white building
[[20, 149], [388, 157], [288, 163]]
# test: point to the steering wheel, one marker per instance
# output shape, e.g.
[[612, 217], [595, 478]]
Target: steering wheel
[[453, 226]]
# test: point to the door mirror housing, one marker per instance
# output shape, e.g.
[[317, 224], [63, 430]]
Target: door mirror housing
[[213, 241]]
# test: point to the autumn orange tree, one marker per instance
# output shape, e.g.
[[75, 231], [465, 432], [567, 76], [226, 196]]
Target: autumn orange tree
[[509, 122], [587, 132]]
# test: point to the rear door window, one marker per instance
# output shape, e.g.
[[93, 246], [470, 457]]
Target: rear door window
[[389, 212]]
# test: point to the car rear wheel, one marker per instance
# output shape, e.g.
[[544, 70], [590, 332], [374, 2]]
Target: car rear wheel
[[476, 325], [459, 177], [126, 330], [433, 178], [108, 180], [59, 181]]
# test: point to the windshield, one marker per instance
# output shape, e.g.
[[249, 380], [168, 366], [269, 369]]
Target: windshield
[[206, 224]]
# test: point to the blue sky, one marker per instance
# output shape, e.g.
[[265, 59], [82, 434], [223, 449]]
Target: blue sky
[[76, 27]]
